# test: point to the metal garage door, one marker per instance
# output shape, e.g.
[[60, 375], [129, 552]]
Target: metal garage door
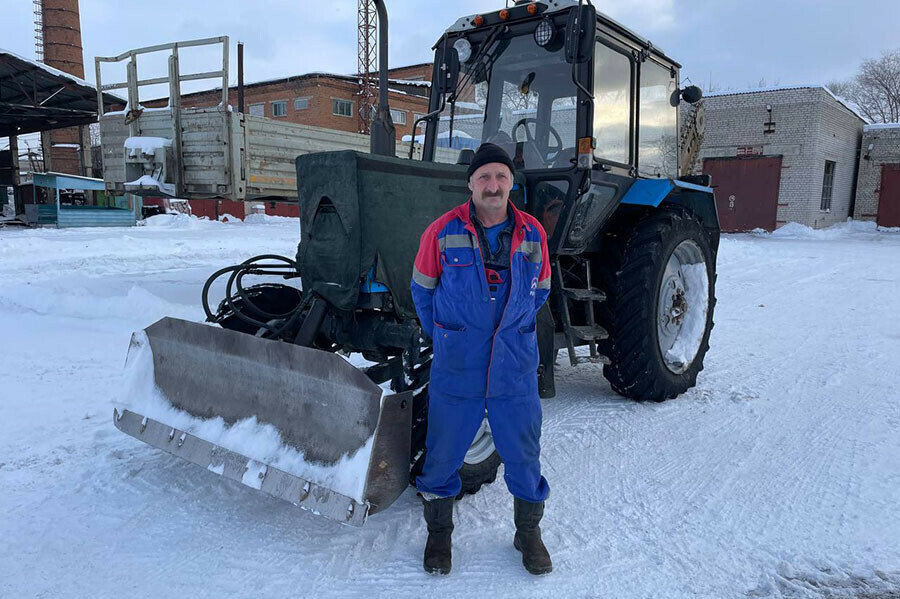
[[889, 196], [746, 191]]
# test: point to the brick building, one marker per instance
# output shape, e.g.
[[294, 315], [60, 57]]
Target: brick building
[[878, 185], [788, 154], [324, 99]]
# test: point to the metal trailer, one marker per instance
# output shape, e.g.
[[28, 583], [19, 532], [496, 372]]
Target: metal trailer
[[212, 152]]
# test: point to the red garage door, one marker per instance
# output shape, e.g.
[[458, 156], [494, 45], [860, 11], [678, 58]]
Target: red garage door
[[889, 196], [746, 191]]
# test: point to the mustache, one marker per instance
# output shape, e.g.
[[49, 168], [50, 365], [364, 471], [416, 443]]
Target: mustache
[[492, 194]]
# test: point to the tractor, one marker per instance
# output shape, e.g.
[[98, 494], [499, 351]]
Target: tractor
[[334, 358]]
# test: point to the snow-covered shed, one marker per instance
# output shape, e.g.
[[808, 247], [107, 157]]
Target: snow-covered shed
[[779, 155], [878, 184]]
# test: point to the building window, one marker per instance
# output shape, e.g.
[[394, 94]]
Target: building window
[[341, 107], [258, 109], [828, 185], [279, 108], [417, 116], [301, 103], [398, 116]]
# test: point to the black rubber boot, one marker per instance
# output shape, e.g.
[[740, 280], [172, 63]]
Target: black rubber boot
[[535, 556], [439, 518]]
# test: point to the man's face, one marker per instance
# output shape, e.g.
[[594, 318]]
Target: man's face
[[490, 185]]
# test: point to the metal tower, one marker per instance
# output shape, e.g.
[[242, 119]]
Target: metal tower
[[367, 41], [39, 30]]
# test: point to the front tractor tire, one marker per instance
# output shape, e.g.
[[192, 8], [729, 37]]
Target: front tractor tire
[[659, 276]]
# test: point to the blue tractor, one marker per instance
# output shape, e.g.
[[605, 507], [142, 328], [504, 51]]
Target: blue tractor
[[589, 113]]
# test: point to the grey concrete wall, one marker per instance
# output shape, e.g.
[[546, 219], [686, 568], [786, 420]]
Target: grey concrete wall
[[810, 127], [885, 142]]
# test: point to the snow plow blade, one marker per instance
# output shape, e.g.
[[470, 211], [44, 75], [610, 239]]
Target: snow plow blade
[[350, 435]]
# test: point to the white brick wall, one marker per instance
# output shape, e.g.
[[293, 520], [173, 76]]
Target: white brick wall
[[810, 128], [885, 144]]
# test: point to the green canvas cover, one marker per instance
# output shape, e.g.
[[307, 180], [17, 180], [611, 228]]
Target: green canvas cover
[[357, 208]]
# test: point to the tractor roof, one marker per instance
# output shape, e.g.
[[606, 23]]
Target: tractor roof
[[553, 6]]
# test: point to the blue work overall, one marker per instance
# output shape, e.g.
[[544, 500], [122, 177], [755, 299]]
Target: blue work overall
[[485, 357]]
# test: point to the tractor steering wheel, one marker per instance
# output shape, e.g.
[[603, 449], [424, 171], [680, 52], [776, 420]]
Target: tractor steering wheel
[[553, 151]]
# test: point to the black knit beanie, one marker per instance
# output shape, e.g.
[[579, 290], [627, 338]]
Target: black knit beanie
[[487, 153]]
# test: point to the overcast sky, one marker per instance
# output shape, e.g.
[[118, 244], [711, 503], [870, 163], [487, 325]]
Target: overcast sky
[[731, 43]]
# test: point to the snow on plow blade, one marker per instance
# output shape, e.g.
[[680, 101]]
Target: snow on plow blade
[[344, 450]]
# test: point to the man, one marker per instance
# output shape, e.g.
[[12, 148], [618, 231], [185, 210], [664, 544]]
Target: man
[[481, 274]]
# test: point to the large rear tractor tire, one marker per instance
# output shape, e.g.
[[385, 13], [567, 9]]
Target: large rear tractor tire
[[659, 277]]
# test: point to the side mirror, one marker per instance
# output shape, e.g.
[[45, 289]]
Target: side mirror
[[448, 72], [580, 33], [692, 94]]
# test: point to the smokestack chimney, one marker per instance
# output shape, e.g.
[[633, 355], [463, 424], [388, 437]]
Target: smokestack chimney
[[69, 150]]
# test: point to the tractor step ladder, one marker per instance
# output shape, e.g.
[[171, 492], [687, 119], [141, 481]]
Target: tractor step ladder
[[590, 332]]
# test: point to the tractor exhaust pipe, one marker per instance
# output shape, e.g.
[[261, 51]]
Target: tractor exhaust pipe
[[383, 136]]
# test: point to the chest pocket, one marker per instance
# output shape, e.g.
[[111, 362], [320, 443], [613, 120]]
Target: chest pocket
[[457, 257], [459, 279]]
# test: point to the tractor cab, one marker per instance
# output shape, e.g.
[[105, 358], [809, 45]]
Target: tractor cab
[[565, 90]]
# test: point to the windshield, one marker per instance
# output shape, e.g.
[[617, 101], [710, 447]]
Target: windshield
[[523, 101]]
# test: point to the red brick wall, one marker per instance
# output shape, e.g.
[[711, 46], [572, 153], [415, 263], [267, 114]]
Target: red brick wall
[[412, 71], [320, 90], [62, 36]]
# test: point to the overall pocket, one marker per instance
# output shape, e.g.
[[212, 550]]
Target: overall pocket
[[526, 347], [449, 347]]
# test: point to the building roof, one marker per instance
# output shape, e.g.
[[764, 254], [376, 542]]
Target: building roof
[[348, 78], [777, 88], [425, 85], [880, 126], [35, 97], [66, 181]]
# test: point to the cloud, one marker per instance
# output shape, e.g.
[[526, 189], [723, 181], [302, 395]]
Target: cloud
[[642, 16]]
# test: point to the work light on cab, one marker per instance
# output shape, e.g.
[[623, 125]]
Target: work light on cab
[[545, 32], [463, 49]]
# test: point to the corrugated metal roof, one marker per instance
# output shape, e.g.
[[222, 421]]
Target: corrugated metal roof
[[35, 97], [65, 181]]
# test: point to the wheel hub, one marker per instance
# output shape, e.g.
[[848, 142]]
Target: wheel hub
[[678, 316]]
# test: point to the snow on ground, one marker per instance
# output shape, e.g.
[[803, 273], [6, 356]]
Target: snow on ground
[[777, 476]]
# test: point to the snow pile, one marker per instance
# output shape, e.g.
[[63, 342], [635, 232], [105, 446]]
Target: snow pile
[[849, 229], [148, 181], [259, 442], [178, 221], [267, 219], [146, 145], [688, 341], [83, 304]]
